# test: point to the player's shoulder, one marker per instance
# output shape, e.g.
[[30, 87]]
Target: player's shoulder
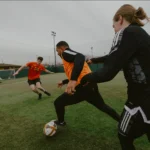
[[134, 29], [69, 51], [32, 62], [42, 65], [29, 63]]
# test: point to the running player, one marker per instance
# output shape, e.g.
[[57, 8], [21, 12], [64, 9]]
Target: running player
[[75, 68], [35, 69], [131, 52]]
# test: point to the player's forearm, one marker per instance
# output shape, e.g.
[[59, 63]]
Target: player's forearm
[[47, 71], [117, 58], [22, 67], [99, 59], [65, 81], [102, 75]]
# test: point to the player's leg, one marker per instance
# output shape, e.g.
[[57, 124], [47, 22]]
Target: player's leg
[[33, 88], [94, 98], [130, 127], [126, 143], [148, 131], [65, 100], [38, 85]]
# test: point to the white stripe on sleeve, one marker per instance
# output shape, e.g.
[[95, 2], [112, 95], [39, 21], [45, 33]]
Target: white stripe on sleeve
[[70, 52]]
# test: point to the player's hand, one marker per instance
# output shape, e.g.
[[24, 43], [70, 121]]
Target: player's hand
[[89, 62], [60, 84], [71, 87], [16, 73]]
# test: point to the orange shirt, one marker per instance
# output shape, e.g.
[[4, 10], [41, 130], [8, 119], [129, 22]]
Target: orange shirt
[[68, 67], [35, 70]]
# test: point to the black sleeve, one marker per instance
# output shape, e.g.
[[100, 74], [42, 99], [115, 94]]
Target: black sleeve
[[65, 81], [118, 56], [99, 59], [78, 60]]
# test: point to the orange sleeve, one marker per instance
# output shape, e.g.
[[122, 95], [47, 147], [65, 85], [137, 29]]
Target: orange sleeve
[[43, 68], [29, 64]]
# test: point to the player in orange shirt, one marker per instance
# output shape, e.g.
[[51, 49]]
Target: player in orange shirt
[[76, 68], [35, 69]]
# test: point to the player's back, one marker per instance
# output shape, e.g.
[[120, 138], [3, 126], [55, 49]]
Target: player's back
[[137, 70]]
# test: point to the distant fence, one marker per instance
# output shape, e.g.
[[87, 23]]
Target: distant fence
[[7, 74]]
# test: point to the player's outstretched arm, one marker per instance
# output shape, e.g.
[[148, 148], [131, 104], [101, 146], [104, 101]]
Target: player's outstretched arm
[[118, 57], [97, 60], [17, 72], [47, 71]]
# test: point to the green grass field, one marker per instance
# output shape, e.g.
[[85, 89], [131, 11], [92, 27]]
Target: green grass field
[[22, 118]]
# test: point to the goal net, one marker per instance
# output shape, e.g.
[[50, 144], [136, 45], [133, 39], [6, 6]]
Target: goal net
[[7, 74]]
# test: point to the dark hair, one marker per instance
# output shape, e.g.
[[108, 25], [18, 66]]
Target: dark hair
[[40, 58], [131, 14], [62, 43]]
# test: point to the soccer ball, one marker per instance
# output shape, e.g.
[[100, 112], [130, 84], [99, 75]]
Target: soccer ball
[[50, 128]]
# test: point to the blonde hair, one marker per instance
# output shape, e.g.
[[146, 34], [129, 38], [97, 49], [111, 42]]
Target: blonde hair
[[131, 14]]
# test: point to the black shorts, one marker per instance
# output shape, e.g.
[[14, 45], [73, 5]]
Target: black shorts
[[30, 82], [132, 123]]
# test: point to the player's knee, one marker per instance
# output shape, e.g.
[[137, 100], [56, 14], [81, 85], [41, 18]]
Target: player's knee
[[38, 86], [122, 138], [126, 142], [58, 103], [123, 141], [148, 135], [33, 89]]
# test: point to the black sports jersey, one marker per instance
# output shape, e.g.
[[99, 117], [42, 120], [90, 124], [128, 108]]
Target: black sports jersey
[[131, 52]]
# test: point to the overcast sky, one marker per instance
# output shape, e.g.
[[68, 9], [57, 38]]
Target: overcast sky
[[25, 27]]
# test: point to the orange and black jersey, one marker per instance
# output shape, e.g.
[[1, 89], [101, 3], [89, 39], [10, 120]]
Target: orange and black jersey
[[74, 57]]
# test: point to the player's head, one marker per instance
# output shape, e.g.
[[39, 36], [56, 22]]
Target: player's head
[[61, 46], [39, 60], [127, 15]]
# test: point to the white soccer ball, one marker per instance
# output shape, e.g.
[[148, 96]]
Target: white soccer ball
[[50, 128]]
